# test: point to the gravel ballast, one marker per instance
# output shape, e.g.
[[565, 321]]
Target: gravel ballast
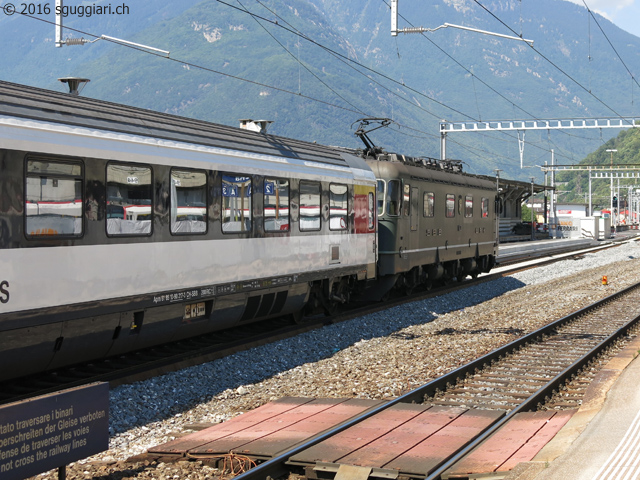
[[376, 356]]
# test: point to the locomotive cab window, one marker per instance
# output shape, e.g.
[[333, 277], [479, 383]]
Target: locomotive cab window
[[276, 205], [393, 198], [485, 207], [188, 202], [129, 205], [53, 199], [380, 195], [450, 206], [468, 206], [429, 203], [236, 204], [309, 206], [338, 212]]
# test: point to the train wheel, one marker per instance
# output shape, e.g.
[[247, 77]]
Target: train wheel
[[336, 293], [411, 281]]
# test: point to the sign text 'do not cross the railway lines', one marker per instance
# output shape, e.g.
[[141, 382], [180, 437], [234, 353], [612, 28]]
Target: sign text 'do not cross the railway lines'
[[53, 430]]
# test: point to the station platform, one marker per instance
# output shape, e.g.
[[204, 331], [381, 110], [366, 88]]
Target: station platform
[[513, 251]]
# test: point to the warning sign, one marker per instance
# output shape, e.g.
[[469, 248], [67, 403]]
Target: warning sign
[[53, 430]]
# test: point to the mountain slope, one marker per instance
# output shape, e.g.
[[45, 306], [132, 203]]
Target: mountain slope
[[362, 71]]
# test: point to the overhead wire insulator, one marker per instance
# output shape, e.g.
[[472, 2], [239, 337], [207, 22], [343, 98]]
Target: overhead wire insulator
[[75, 41]]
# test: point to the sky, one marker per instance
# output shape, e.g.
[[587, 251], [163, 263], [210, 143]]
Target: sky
[[624, 13]]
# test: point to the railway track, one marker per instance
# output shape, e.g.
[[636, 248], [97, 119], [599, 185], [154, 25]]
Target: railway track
[[525, 375], [155, 361]]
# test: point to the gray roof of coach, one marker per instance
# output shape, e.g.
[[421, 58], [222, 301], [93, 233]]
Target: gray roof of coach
[[47, 105]]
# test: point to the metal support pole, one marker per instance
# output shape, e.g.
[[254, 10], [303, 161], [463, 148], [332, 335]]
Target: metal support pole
[[58, 8], [533, 213], [546, 216], [590, 212], [611, 215], [619, 203], [497, 205], [553, 222], [394, 18]]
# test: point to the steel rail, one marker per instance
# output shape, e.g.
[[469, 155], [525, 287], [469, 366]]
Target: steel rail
[[276, 467]]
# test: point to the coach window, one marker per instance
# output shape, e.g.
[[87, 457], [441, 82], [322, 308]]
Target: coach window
[[468, 206], [450, 206], [188, 202], [129, 194], [276, 205], [338, 212], [236, 203], [485, 207], [53, 199], [406, 203], [380, 195], [309, 206], [429, 203], [394, 197]]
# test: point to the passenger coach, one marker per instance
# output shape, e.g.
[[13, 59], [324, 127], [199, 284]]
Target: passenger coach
[[122, 228]]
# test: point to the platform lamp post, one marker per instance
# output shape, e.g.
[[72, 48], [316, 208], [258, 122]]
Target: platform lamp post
[[533, 222], [613, 219], [497, 205]]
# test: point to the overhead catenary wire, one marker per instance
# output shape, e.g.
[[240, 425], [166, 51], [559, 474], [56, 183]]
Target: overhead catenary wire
[[304, 66], [338, 55], [474, 77], [553, 63], [633, 78], [235, 77], [191, 64], [294, 30], [286, 26]]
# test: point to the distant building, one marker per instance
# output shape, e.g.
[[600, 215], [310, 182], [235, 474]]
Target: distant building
[[569, 215]]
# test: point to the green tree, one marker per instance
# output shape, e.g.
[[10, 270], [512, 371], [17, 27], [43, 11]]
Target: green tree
[[526, 214]]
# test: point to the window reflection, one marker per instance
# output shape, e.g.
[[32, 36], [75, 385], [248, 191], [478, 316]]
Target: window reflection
[[338, 207], [485, 207], [309, 206], [53, 202], [236, 204], [468, 206], [450, 205], [429, 202], [380, 195], [129, 205], [276, 205], [406, 204], [394, 197], [188, 202]]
